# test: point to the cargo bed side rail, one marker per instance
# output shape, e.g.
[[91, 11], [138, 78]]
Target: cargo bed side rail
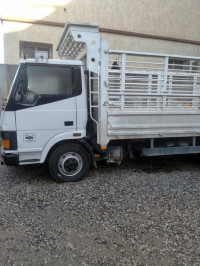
[[146, 82]]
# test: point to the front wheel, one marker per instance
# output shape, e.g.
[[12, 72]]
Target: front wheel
[[69, 163]]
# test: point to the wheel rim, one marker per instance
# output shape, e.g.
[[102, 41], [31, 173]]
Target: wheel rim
[[70, 164]]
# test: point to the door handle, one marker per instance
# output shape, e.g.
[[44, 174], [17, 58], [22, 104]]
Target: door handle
[[68, 123]]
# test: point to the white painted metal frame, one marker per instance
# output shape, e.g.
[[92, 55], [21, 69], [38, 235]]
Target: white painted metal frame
[[144, 96], [79, 36], [150, 98], [152, 85], [94, 93], [102, 134]]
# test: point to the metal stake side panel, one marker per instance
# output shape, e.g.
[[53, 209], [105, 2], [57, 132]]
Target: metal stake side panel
[[152, 95]]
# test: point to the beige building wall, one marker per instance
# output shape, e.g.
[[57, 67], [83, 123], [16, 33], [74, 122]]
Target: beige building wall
[[33, 33], [172, 18]]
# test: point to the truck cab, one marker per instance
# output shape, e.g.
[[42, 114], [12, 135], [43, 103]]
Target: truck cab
[[48, 110], [47, 103]]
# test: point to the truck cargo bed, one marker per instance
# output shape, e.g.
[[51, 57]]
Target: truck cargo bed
[[152, 95], [137, 95]]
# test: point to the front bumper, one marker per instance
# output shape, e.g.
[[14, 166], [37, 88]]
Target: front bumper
[[10, 159]]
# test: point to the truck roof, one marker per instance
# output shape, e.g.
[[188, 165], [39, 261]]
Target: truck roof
[[54, 61]]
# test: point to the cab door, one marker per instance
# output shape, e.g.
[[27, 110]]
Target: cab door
[[45, 103]]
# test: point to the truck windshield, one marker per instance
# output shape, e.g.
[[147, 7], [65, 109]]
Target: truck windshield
[[44, 84]]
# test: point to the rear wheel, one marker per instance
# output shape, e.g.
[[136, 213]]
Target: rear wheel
[[69, 163]]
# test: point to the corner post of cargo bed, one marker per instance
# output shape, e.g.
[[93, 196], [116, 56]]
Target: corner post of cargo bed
[[103, 114]]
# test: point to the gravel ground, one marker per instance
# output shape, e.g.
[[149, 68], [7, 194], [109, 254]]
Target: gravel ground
[[143, 212]]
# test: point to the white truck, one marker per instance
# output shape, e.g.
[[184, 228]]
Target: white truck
[[99, 104]]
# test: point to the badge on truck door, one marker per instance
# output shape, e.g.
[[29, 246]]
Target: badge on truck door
[[29, 137]]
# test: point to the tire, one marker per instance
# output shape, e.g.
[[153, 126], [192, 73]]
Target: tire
[[69, 163]]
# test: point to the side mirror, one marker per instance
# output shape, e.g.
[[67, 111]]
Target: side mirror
[[4, 103]]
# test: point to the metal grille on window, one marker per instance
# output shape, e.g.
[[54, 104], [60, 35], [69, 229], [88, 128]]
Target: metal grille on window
[[28, 49]]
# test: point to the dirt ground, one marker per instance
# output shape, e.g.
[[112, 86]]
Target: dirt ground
[[143, 212]]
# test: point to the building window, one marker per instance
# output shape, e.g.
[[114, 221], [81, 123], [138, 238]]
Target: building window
[[28, 49], [180, 64]]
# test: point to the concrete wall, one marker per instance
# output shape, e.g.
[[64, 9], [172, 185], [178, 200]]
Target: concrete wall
[[7, 73], [33, 33], [173, 18]]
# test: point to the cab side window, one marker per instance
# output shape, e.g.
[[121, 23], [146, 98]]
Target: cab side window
[[45, 84]]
